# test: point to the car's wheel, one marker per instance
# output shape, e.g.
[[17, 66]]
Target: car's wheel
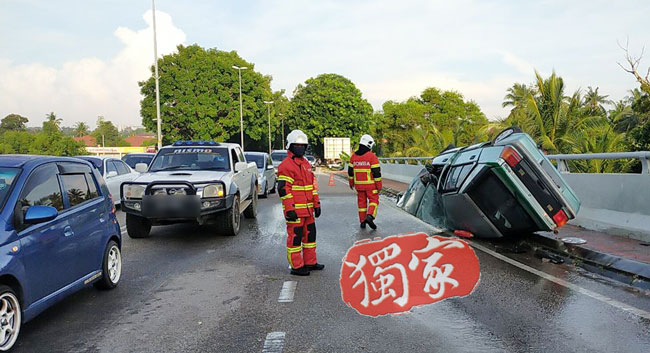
[[505, 133], [251, 210], [231, 219], [274, 185], [111, 267], [10, 318], [137, 227], [265, 194]]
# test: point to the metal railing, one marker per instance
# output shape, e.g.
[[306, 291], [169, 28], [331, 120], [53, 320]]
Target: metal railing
[[406, 160], [562, 165]]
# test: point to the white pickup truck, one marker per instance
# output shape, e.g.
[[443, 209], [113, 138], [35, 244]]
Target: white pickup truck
[[191, 181]]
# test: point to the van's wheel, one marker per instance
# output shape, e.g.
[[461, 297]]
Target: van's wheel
[[137, 227], [251, 210], [10, 318], [231, 219], [505, 133], [111, 267]]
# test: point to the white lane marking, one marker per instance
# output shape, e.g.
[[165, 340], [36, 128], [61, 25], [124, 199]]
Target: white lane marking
[[287, 292], [274, 342], [587, 292], [615, 303]]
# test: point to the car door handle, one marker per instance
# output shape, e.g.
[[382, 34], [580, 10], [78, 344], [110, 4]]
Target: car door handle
[[67, 231], [101, 217]]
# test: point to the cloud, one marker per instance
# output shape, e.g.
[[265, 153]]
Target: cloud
[[81, 90]]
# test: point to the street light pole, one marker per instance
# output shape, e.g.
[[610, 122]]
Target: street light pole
[[268, 105], [241, 111], [155, 64], [282, 117]]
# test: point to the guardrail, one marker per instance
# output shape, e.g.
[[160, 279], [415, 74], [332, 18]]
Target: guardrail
[[562, 165], [398, 160]]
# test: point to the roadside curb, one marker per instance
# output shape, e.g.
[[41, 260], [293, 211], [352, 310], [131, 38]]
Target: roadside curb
[[631, 272]]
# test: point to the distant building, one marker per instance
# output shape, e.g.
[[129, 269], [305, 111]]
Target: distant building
[[88, 141], [137, 140]]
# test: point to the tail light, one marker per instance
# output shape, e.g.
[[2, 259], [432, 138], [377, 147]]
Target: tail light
[[511, 156], [560, 218], [464, 234]]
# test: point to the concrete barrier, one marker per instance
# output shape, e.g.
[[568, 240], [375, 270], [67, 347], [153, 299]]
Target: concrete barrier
[[403, 173]]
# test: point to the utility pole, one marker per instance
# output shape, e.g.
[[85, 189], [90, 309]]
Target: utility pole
[[155, 64], [268, 105], [241, 111]]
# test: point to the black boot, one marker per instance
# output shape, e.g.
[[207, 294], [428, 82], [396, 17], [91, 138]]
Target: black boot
[[315, 267], [371, 221], [301, 271], [363, 225]]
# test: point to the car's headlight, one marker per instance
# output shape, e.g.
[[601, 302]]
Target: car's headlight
[[133, 191], [213, 190]]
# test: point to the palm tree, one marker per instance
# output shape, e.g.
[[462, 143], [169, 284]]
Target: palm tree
[[52, 124], [81, 129], [517, 96], [596, 137], [428, 142], [595, 102]]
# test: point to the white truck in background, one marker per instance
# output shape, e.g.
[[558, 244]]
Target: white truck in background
[[333, 147]]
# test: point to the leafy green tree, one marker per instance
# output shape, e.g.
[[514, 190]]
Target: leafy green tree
[[199, 97], [595, 103], [81, 129], [329, 105], [107, 134], [13, 122], [52, 124]]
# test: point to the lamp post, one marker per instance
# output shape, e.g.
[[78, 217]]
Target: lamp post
[[282, 118], [268, 106], [155, 65], [241, 111]]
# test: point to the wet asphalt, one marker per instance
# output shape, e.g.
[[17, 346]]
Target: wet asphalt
[[189, 289]]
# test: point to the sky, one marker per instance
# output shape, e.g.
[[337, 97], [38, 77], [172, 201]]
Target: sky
[[82, 59]]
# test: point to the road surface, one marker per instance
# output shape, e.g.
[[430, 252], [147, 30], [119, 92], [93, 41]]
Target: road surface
[[187, 289]]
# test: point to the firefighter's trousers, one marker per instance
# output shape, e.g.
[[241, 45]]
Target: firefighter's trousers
[[367, 200], [301, 242]]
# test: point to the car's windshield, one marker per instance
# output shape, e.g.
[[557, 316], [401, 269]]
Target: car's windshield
[[7, 177], [279, 156], [191, 158], [133, 160], [257, 158]]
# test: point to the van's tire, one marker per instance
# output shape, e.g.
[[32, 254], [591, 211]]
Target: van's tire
[[137, 227], [111, 267], [251, 211], [505, 133], [230, 220], [12, 312]]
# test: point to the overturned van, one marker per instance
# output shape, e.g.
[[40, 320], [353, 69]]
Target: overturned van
[[502, 188]]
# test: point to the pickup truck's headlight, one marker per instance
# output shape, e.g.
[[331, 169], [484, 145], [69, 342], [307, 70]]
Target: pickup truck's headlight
[[133, 191], [213, 190]]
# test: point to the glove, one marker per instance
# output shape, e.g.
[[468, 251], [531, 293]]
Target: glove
[[291, 216], [317, 212]]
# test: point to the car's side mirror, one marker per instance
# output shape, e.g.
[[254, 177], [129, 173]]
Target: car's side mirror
[[239, 166], [141, 167], [111, 174], [270, 167], [40, 214]]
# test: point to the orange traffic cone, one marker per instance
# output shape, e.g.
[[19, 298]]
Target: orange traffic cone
[[331, 182]]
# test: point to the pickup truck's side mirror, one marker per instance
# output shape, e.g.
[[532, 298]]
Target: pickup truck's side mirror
[[141, 167], [111, 174], [239, 166], [40, 214]]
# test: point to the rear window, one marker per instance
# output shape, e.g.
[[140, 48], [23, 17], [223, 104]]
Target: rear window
[[257, 158], [133, 160], [279, 156]]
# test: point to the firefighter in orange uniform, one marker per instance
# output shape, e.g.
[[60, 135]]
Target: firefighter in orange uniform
[[300, 204], [364, 175]]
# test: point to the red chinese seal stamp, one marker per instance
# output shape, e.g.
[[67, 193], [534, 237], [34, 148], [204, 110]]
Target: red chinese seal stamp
[[396, 273]]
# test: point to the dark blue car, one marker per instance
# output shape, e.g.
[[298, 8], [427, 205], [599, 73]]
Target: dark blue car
[[58, 234]]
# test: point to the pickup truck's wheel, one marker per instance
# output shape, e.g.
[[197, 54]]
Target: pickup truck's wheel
[[111, 267], [265, 194], [10, 318], [137, 227], [231, 219], [251, 210]]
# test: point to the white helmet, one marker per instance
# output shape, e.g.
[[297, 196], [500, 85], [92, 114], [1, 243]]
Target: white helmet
[[367, 141], [297, 137]]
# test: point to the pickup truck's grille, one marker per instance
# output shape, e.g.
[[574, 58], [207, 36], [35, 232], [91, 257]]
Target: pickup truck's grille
[[170, 190]]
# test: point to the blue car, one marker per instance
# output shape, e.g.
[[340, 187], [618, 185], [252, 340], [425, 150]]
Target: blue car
[[58, 234]]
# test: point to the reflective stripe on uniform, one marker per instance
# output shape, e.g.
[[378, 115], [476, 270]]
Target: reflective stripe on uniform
[[364, 182], [287, 196], [293, 222], [378, 179], [294, 249], [285, 178], [375, 191], [303, 205], [308, 245], [315, 192], [363, 209], [374, 166], [301, 188]]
